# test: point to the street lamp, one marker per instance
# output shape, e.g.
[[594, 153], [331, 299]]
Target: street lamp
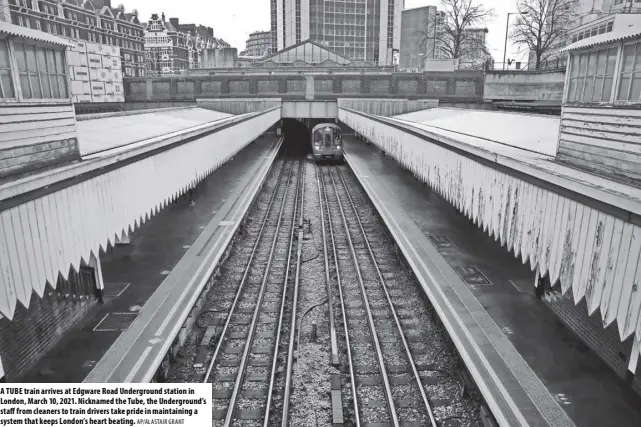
[[507, 26]]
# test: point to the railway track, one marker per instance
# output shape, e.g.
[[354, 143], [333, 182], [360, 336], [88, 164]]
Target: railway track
[[383, 360], [384, 381], [242, 366]]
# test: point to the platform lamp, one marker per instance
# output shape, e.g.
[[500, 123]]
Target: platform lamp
[[507, 27]]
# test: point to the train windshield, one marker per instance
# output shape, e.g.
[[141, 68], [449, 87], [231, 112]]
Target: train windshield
[[327, 137]]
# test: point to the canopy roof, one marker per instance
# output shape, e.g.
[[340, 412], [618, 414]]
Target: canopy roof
[[308, 52], [625, 27]]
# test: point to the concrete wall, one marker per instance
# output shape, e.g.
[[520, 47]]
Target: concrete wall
[[524, 86], [35, 136], [238, 106], [309, 109], [219, 58], [387, 107], [458, 86]]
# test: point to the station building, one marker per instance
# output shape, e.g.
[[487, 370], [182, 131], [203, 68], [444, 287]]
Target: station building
[[600, 134]]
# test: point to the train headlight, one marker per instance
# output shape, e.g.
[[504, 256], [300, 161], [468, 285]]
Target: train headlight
[[338, 147]]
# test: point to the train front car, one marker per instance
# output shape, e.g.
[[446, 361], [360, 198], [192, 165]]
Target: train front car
[[327, 142]]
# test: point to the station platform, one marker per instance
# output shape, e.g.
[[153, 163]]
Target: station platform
[[151, 283], [531, 368]]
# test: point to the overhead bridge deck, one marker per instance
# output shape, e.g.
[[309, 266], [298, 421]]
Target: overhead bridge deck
[[512, 193]]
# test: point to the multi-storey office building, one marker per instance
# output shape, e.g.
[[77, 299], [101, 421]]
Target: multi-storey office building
[[94, 21], [172, 48], [420, 41], [259, 43], [361, 30]]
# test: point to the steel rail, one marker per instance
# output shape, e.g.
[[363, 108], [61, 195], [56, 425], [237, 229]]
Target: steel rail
[[243, 279], [370, 319], [408, 352], [350, 363], [292, 332], [328, 283], [282, 304], [259, 302]]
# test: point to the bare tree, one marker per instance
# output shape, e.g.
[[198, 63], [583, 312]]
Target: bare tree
[[542, 26], [451, 34]]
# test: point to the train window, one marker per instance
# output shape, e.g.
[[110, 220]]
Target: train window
[[317, 137]]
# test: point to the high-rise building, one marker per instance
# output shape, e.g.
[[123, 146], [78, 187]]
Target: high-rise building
[[93, 21], [258, 44], [420, 28], [172, 48], [361, 30]]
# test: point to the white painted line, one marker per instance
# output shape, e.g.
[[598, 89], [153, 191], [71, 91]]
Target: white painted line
[[154, 341], [226, 223], [137, 366], [165, 272], [108, 330], [515, 287], [496, 410], [101, 320], [123, 289]]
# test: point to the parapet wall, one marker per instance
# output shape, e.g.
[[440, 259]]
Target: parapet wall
[[456, 86], [524, 86], [238, 105], [387, 107]]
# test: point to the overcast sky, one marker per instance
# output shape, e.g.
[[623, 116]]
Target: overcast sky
[[233, 20]]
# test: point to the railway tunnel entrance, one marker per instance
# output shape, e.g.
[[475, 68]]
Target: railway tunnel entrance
[[297, 134]]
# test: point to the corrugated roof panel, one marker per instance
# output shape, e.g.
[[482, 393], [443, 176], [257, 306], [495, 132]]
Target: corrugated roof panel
[[31, 34], [625, 27]]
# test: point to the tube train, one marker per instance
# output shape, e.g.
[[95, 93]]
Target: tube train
[[327, 142]]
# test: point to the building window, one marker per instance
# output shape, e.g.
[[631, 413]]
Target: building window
[[38, 25], [630, 84], [42, 72], [6, 82], [592, 75]]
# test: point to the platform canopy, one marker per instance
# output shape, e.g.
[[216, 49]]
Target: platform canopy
[[308, 53]]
